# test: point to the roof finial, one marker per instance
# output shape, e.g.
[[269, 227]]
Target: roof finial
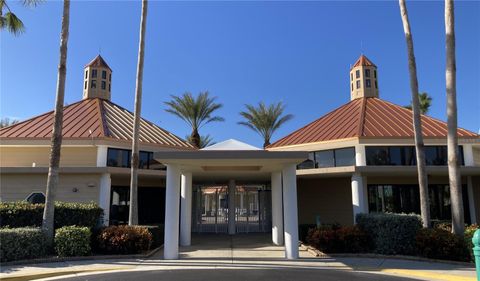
[[361, 47]]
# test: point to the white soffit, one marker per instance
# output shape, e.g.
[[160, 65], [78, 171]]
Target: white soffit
[[231, 144]]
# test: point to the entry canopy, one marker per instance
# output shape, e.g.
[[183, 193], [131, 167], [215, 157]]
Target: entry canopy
[[223, 162]]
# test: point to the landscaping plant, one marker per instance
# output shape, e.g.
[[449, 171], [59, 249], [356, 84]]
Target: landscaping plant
[[22, 243], [124, 239], [72, 241]]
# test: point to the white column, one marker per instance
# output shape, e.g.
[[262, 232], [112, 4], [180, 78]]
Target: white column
[[277, 209], [360, 159], [468, 155], [104, 198], [102, 151], [471, 200], [172, 210], [290, 212], [186, 209], [231, 207], [359, 196]]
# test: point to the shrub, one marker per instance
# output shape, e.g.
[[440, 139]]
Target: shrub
[[469, 231], [22, 243], [441, 244], [22, 214], [124, 239], [339, 240], [157, 235], [72, 241], [392, 234], [303, 230]]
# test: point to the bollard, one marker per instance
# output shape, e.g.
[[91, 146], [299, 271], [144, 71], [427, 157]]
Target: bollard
[[476, 251]]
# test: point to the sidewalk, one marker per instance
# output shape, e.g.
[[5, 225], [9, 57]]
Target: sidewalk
[[229, 253]]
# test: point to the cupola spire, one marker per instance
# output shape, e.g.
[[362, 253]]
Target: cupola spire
[[97, 81], [363, 79]]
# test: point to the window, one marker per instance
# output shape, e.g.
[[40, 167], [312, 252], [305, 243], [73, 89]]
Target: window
[[367, 72], [85, 84], [375, 73], [344, 157], [86, 74], [118, 158], [329, 158], [357, 74], [104, 85], [36, 198], [94, 84], [376, 86], [110, 77], [406, 156], [104, 74], [109, 89], [94, 73], [367, 83], [121, 158], [325, 158], [358, 84], [351, 77], [404, 198], [352, 86]]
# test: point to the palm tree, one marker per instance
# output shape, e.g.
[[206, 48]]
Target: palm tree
[[417, 122], [52, 180], [10, 21], [425, 101], [205, 140], [458, 220], [133, 214], [264, 120], [5, 122], [196, 111]]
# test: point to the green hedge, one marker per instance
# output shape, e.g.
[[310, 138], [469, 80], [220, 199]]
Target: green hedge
[[392, 234], [22, 243], [72, 241], [23, 214], [124, 239], [438, 243]]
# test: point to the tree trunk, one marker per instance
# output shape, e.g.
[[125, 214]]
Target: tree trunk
[[417, 122], [195, 137], [56, 141], [133, 214], [458, 223], [266, 143]]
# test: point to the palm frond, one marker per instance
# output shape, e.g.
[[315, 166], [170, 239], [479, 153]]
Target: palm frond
[[12, 23], [31, 3]]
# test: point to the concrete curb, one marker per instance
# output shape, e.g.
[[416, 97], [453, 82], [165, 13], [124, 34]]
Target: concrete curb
[[85, 258], [316, 253]]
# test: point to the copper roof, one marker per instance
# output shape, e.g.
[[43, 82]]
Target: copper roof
[[93, 118], [363, 61], [98, 61], [363, 118]]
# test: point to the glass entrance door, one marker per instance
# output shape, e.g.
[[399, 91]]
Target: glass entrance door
[[252, 209]]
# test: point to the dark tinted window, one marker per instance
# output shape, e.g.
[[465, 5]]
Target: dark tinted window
[[144, 160], [325, 158], [357, 74], [345, 157], [118, 158], [104, 74], [367, 83], [36, 198], [94, 73], [309, 163], [367, 72], [377, 155], [104, 85]]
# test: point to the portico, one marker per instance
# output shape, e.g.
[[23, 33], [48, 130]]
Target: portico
[[227, 165]]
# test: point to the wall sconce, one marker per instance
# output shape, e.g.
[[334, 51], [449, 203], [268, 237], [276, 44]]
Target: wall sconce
[[75, 189], [91, 184]]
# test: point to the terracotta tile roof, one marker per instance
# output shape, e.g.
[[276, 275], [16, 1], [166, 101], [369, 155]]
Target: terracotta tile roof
[[98, 61], [364, 118], [363, 61], [93, 118]]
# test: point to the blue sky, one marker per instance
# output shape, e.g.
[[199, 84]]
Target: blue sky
[[241, 52]]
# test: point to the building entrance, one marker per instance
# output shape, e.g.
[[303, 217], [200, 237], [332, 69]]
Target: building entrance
[[252, 209]]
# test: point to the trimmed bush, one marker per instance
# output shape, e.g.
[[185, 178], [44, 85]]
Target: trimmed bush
[[157, 235], [349, 239], [22, 214], [392, 234], [72, 241], [22, 243], [303, 230], [441, 244], [124, 239], [469, 231]]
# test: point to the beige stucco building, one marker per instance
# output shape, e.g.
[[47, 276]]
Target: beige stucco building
[[358, 158]]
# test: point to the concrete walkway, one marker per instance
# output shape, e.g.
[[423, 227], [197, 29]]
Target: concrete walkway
[[217, 252]]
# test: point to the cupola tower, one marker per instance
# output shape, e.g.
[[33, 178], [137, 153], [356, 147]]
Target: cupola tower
[[97, 81], [363, 79]]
